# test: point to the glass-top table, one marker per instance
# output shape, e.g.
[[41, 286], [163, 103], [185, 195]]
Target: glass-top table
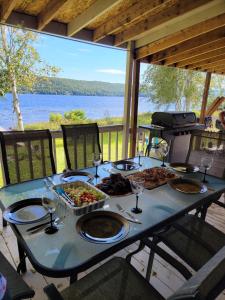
[[66, 253]]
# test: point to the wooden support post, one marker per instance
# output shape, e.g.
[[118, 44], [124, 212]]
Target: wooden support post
[[214, 105], [134, 107], [205, 98], [127, 99]]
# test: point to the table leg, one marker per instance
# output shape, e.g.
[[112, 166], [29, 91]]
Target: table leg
[[73, 278], [22, 256]]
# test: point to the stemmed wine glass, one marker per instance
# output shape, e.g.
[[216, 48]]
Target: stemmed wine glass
[[50, 205], [140, 152], [97, 159], [206, 163], [163, 149], [137, 186]]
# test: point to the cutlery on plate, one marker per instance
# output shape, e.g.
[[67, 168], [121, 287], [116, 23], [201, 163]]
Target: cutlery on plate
[[132, 218]]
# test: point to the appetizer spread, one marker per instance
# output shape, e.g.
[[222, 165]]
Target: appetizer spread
[[115, 185], [82, 196], [154, 177]]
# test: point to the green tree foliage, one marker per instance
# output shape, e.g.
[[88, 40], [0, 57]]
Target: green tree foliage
[[20, 64], [57, 118], [64, 86], [75, 115], [165, 86]]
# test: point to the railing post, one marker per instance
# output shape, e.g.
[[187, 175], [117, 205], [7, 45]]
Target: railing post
[[127, 98], [134, 107]]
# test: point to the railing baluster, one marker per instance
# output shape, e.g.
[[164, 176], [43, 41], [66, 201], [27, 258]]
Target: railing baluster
[[117, 144], [54, 151], [109, 146]]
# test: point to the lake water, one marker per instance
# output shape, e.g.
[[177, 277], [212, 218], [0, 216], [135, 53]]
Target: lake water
[[36, 108]]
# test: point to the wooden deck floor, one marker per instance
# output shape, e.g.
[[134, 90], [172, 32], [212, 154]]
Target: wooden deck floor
[[164, 278]]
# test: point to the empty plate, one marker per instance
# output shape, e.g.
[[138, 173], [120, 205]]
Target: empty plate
[[71, 176], [187, 186], [25, 211], [125, 165], [184, 168], [102, 227]]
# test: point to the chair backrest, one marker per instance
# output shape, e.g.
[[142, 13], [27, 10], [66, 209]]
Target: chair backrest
[[205, 144], [207, 283], [80, 142], [26, 155]]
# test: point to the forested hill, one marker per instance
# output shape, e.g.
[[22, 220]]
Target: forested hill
[[63, 86]]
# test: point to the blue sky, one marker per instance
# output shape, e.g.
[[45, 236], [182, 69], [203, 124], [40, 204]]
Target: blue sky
[[81, 60]]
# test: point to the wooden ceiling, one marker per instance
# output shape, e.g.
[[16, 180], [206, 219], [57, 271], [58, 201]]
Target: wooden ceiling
[[182, 33]]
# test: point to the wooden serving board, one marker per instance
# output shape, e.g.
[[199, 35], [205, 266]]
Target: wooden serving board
[[154, 177]]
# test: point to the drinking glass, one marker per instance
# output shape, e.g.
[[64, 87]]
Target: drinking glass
[[97, 159], [140, 152], [163, 150], [206, 163], [50, 206], [137, 186]]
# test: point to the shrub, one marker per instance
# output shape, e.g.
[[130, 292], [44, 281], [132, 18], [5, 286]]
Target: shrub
[[75, 115], [57, 118]]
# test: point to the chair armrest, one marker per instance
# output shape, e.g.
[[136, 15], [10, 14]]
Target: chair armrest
[[207, 283], [52, 292]]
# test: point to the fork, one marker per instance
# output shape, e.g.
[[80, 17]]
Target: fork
[[132, 218]]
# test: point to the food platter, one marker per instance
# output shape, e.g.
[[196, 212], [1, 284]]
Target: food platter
[[81, 197], [184, 168], [26, 211], [187, 186], [71, 176], [125, 165], [102, 227], [154, 177], [115, 185]]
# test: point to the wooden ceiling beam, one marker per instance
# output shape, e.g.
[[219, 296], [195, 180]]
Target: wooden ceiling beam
[[7, 8], [206, 62], [142, 28], [131, 14], [49, 12], [201, 57], [97, 9], [176, 31], [190, 45], [184, 35]]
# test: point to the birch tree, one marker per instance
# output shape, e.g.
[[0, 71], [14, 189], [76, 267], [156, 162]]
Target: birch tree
[[20, 65]]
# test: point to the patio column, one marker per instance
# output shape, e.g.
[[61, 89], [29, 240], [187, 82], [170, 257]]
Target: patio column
[[127, 99], [134, 107], [205, 98]]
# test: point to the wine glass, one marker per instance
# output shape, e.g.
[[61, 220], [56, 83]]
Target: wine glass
[[97, 159], [162, 150], [206, 163], [137, 186], [50, 206], [140, 152]]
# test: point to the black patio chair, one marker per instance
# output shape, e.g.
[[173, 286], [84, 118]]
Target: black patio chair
[[80, 142], [16, 287], [193, 239], [117, 279], [26, 155]]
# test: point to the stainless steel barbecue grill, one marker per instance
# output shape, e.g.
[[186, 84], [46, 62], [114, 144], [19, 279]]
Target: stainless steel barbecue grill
[[176, 129]]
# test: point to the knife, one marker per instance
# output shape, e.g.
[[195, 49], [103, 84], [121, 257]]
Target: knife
[[131, 217]]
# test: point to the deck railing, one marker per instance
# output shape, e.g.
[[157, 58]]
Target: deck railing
[[110, 141]]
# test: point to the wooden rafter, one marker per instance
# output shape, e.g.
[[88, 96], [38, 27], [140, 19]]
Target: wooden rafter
[[213, 69], [201, 57], [189, 45], [188, 26], [140, 29], [133, 13], [184, 35], [49, 12], [192, 53], [6, 9], [207, 62], [89, 15]]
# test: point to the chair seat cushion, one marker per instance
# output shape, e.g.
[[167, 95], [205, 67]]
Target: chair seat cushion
[[114, 280], [194, 240]]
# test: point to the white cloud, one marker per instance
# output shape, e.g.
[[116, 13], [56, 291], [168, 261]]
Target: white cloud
[[111, 71]]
